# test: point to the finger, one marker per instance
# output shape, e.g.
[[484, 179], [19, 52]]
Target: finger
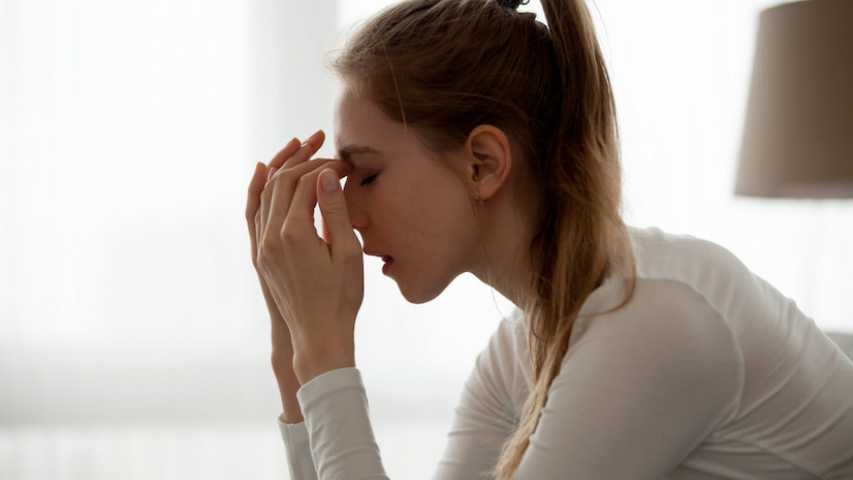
[[300, 217], [265, 205], [308, 148], [255, 187], [299, 169], [336, 220], [270, 173], [285, 153], [292, 155], [257, 238], [281, 186]]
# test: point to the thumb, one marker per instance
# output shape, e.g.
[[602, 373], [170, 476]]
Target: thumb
[[333, 208]]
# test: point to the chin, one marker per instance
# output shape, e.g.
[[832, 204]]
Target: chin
[[418, 298], [422, 289]]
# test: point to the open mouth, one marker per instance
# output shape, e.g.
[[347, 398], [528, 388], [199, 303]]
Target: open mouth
[[389, 262]]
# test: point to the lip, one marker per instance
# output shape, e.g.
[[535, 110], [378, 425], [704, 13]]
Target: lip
[[387, 266], [383, 256], [387, 260]]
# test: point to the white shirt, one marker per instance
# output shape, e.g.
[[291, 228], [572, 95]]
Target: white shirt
[[708, 373]]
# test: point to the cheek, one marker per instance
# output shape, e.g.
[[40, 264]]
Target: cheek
[[426, 207], [438, 213]]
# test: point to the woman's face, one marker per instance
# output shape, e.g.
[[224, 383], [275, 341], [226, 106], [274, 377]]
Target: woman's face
[[412, 208]]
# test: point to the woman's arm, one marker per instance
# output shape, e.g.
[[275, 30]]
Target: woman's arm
[[338, 435], [636, 394], [299, 461], [288, 385], [337, 421], [482, 422]]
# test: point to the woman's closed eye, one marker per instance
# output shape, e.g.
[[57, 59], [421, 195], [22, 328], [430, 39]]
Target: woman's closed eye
[[369, 179]]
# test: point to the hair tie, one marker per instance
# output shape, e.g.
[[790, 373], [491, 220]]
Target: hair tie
[[512, 4]]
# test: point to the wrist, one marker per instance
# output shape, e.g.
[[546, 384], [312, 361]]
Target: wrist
[[311, 363], [289, 417], [292, 411], [282, 368]]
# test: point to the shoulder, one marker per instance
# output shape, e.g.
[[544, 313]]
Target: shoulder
[[680, 310], [669, 339], [666, 316], [706, 266]]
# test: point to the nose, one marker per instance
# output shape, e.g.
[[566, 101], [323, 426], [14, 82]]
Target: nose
[[357, 216]]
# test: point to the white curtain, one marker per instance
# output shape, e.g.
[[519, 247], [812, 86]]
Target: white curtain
[[128, 132]]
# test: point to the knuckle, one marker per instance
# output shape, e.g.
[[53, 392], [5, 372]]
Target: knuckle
[[270, 179], [285, 180], [288, 237]]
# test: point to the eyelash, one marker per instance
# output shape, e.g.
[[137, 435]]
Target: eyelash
[[369, 179]]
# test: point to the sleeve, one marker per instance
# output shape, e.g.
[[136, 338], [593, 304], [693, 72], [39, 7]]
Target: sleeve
[[337, 432], [483, 418], [637, 394], [334, 405], [299, 461]]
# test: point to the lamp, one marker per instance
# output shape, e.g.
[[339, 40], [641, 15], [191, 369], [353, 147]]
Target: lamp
[[797, 139]]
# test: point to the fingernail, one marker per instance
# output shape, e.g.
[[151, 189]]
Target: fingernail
[[329, 180], [313, 137]]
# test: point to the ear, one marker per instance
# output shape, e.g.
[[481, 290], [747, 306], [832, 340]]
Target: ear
[[489, 160]]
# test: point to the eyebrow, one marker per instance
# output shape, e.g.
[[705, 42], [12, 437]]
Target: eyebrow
[[346, 153]]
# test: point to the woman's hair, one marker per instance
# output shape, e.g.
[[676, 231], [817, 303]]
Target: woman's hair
[[443, 67]]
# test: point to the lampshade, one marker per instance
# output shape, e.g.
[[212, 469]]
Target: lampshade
[[798, 134]]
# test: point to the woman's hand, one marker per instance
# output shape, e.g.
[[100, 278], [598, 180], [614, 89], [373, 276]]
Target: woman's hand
[[282, 349], [317, 283]]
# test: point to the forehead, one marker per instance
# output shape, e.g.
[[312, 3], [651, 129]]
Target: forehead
[[359, 121]]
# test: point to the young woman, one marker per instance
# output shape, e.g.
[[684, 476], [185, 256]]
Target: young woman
[[476, 139]]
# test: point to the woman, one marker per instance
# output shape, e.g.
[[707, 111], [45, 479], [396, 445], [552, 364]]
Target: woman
[[476, 139]]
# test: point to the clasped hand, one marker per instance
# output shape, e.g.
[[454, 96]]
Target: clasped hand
[[316, 283]]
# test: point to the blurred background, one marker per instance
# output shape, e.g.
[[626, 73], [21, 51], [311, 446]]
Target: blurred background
[[134, 339]]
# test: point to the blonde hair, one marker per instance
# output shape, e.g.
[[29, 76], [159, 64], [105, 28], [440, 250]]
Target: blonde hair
[[442, 67]]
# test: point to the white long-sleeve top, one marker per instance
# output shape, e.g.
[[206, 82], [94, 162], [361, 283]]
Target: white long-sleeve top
[[708, 373]]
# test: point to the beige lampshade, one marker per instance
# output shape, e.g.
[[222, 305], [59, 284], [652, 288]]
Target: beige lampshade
[[798, 134]]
